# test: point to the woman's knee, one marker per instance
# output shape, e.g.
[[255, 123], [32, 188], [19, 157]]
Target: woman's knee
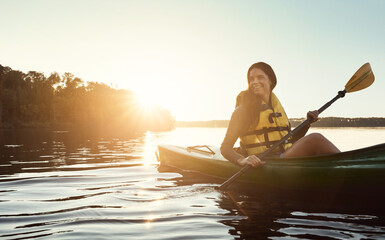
[[316, 137], [311, 144], [317, 140]]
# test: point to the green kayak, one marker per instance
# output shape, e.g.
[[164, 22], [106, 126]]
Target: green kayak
[[362, 168]]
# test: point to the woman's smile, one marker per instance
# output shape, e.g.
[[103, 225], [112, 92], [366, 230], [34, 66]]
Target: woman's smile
[[260, 83], [256, 86]]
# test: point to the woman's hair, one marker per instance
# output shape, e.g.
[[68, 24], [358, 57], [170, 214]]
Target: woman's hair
[[248, 99]]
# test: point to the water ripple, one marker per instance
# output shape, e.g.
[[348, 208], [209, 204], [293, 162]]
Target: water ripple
[[59, 211], [106, 220], [69, 187], [71, 198], [33, 234], [326, 225]]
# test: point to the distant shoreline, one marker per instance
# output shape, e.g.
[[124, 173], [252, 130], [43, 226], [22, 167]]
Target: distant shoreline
[[323, 122]]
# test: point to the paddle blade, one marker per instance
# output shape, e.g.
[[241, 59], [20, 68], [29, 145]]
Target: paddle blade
[[363, 78]]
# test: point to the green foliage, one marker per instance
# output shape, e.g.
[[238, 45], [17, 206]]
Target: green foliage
[[66, 101], [344, 122], [323, 122]]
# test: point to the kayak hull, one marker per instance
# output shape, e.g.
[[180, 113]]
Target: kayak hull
[[357, 169]]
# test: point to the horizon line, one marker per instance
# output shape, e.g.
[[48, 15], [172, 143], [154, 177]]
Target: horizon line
[[295, 118]]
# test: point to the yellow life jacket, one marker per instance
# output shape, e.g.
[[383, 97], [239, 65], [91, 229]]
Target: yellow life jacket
[[272, 126]]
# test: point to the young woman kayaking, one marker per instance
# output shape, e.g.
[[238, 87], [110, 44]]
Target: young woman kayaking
[[259, 120]]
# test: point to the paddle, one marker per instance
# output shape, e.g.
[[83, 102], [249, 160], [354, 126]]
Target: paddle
[[363, 78]]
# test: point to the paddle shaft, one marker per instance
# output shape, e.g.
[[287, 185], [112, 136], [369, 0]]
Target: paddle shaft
[[224, 185]]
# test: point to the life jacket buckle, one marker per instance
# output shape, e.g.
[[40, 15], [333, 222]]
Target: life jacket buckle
[[274, 114]]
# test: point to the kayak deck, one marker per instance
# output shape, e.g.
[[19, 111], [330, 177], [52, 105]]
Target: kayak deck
[[361, 167]]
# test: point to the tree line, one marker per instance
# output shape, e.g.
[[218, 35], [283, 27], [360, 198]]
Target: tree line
[[65, 101], [343, 122], [322, 122]]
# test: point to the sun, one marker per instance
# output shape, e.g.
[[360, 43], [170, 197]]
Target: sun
[[159, 98], [146, 102], [151, 99]]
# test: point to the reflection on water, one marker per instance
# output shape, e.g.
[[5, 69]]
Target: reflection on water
[[279, 220], [74, 185]]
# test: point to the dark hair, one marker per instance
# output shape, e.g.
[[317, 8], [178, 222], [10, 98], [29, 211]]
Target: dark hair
[[248, 99]]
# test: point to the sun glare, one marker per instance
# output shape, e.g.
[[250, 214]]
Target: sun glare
[[146, 102], [149, 100]]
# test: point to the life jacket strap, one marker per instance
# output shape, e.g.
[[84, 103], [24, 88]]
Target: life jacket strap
[[266, 130], [266, 144]]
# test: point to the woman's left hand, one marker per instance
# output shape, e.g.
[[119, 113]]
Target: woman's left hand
[[313, 116]]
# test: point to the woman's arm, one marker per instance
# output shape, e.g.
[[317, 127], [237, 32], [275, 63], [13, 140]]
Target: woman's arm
[[236, 127], [238, 124]]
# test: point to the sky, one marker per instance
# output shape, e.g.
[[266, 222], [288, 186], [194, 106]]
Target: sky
[[192, 56]]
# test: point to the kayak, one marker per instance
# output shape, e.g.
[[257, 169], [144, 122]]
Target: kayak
[[363, 168]]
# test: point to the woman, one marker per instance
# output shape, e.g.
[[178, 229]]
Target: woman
[[259, 120]]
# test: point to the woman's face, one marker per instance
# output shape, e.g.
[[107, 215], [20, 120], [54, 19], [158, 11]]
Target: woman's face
[[259, 83]]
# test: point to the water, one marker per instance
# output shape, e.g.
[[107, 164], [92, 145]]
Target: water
[[68, 185]]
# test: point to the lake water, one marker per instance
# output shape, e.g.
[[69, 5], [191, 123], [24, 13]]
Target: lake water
[[69, 185]]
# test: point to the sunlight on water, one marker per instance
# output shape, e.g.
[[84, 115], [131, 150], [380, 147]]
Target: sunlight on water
[[63, 186], [149, 149]]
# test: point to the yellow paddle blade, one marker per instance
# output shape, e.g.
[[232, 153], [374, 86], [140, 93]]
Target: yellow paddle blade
[[363, 78]]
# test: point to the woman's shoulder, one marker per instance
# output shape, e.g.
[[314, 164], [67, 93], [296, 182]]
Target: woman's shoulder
[[239, 98], [240, 110], [239, 114]]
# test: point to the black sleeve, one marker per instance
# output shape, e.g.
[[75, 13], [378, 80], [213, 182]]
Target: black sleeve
[[237, 125]]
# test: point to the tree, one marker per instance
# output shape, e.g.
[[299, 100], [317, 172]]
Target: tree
[[13, 82], [1, 84]]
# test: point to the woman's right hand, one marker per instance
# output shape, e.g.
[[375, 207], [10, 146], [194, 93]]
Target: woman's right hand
[[252, 160]]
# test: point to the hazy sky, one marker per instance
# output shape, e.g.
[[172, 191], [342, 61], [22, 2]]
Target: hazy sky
[[192, 56]]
